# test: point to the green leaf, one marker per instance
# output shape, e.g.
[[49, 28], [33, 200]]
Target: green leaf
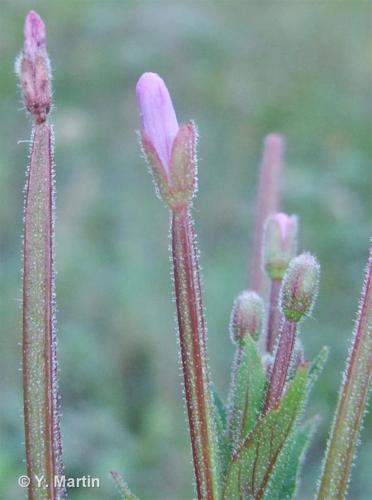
[[317, 366], [252, 466], [284, 480], [220, 411], [248, 392], [122, 487], [223, 448]]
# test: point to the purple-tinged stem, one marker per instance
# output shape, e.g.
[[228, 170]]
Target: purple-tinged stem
[[193, 354], [281, 364], [297, 297], [267, 203], [352, 401], [42, 435], [273, 323]]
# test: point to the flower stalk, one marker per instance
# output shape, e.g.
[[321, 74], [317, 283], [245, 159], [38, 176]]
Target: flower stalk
[[268, 199], [42, 434], [192, 337], [352, 401], [170, 151], [280, 246], [273, 322], [297, 297], [281, 365]]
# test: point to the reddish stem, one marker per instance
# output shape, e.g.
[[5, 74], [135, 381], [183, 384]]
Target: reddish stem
[[267, 203], [352, 401], [193, 352], [281, 365], [42, 436], [273, 324]]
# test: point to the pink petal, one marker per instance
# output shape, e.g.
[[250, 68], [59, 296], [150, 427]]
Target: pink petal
[[35, 35], [159, 121]]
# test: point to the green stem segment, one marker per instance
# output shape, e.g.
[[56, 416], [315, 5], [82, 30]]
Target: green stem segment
[[352, 401], [42, 436], [194, 354]]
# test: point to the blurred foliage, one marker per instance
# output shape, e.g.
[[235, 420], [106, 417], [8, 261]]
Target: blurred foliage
[[241, 70]]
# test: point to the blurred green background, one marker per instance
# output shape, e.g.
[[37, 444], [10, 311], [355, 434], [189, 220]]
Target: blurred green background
[[241, 70]]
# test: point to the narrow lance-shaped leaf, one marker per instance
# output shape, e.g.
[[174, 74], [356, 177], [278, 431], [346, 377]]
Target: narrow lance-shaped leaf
[[285, 478], [251, 467], [248, 380], [352, 401], [223, 445], [248, 393]]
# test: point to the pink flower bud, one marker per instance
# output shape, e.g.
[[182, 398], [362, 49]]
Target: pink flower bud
[[33, 68], [159, 122], [246, 316], [300, 287], [35, 36], [169, 148], [280, 244]]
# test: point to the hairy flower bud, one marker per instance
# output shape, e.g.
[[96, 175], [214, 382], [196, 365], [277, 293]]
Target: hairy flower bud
[[246, 316], [280, 244], [33, 68], [300, 287], [169, 148]]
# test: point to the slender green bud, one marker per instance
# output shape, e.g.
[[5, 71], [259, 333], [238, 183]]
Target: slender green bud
[[246, 316], [300, 287], [280, 244]]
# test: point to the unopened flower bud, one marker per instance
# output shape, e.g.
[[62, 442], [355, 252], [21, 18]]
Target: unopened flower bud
[[300, 287], [169, 148], [280, 244], [33, 68], [246, 316]]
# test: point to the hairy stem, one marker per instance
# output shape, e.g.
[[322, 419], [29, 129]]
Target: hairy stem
[[42, 436], [194, 354], [352, 401], [273, 323], [281, 364]]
